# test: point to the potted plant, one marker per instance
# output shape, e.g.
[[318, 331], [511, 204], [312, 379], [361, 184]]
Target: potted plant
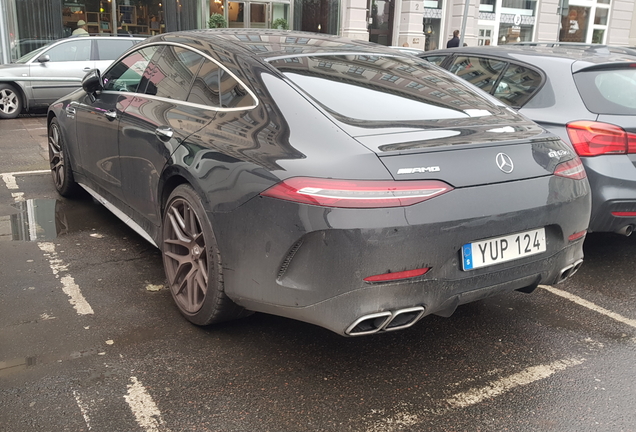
[[217, 21], [280, 23]]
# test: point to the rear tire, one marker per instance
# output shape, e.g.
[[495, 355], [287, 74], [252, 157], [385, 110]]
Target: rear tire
[[60, 162], [192, 261], [10, 101]]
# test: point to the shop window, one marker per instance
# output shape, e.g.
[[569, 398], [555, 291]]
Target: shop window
[[574, 25], [487, 6]]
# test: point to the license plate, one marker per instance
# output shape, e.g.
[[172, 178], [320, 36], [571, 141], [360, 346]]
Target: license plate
[[501, 249]]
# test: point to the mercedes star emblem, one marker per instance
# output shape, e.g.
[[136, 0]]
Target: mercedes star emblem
[[504, 162]]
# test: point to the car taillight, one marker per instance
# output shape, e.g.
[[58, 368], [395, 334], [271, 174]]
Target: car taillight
[[594, 138], [572, 169], [356, 193]]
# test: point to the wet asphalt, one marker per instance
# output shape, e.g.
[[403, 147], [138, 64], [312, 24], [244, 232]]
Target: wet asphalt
[[123, 359]]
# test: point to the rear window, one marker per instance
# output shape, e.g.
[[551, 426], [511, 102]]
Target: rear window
[[608, 91], [383, 88]]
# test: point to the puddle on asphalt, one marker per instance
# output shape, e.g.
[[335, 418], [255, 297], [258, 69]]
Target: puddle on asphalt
[[48, 219]]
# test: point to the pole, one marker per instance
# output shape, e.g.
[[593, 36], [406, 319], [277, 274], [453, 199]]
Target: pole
[[114, 17], [463, 30]]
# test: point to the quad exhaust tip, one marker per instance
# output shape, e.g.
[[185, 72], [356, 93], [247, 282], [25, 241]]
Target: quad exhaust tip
[[385, 321], [568, 272]]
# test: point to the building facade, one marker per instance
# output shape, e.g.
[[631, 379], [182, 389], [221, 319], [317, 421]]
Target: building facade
[[425, 24]]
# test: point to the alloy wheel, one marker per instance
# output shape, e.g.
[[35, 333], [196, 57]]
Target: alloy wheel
[[8, 101], [185, 256], [56, 157]]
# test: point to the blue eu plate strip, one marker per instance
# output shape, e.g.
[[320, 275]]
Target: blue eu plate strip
[[467, 256]]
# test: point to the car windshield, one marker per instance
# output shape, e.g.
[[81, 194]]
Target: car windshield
[[33, 54], [392, 88], [608, 91]]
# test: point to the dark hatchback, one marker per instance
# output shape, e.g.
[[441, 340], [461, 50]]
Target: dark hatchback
[[321, 179], [586, 94]]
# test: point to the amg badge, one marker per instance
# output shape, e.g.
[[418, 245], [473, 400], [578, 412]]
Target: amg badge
[[418, 170]]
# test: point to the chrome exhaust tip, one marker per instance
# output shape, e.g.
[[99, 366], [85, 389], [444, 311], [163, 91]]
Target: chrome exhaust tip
[[568, 271], [369, 324], [575, 267], [385, 321], [627, 230], [404, 318]]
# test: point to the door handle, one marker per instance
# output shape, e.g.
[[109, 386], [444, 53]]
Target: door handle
[[164, 132], [86, 69], [111, 115]]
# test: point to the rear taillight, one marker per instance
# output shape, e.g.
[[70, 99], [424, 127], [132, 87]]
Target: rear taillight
[[594, 138], [572, 169], [356, 193]]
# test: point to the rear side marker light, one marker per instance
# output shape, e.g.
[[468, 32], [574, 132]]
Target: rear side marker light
[[397, 275], [572, 169], [356, 193], [577, 235], [595, 138], [624, 214]]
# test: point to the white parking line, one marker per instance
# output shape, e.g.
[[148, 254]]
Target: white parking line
[[9, 178], [582, 302], [83, 409], [70, 288], [503, 385], [144, 408], [409, 418]]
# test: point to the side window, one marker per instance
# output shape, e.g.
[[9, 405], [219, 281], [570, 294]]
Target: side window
[[482, 72], [435, 59], [126, 74], [205, 90], [76, 50], [517, 85], [171, 74], [232, 93], [112, 49]]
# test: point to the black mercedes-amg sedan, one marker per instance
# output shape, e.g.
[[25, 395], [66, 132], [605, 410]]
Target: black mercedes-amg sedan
[[327, 180]]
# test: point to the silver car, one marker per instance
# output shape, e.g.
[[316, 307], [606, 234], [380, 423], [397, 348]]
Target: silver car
[[54, 70]]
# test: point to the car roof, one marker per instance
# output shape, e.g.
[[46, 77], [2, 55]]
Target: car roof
[[268, 44], [584, 55]]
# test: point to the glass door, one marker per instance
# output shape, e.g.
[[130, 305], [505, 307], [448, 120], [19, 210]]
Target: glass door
[[259, 15], [236, 15]]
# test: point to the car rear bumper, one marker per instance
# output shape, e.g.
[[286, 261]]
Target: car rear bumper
[[309, 263], [613, 180]]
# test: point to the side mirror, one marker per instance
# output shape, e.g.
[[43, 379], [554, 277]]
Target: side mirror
[[92, 82], [44, 58]]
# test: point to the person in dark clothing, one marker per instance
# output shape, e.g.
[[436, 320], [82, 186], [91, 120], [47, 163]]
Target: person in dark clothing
[[454, 42]]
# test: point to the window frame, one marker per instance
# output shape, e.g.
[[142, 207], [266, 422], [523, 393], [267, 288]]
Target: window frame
[[206, 56]]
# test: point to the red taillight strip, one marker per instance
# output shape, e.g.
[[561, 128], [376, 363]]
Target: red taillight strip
[[591, 138], [577, 235], [572, 169], [624, 214], [397, 275], [356, 193]]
